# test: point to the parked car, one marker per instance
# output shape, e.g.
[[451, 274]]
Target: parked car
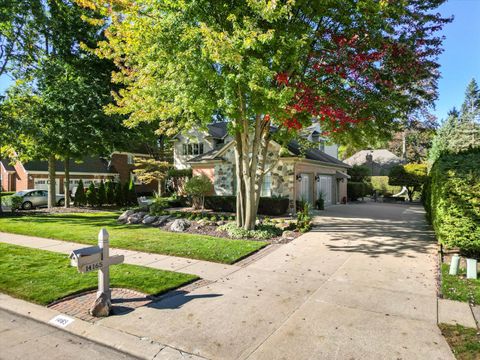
[[36, 198]]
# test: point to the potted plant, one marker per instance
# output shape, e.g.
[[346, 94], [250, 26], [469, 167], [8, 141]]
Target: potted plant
[[320, 203]]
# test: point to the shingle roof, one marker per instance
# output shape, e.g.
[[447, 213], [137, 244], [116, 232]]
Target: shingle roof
[[92, 165], [380, 156], [315, 154], [6, 164], [217, 130]]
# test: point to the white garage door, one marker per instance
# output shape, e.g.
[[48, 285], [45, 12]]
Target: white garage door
[[305, 190], [42, 184], [324, 186]]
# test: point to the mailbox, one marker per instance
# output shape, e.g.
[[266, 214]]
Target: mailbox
[[82, 257]]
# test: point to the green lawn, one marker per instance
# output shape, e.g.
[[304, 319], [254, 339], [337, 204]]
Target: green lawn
[[42, 276], [464, 342], [84, 228], [459, 288]]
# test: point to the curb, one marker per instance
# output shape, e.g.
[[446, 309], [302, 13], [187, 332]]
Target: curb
[[140, 348]]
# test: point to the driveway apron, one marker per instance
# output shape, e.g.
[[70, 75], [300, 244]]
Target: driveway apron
[[361, 285]]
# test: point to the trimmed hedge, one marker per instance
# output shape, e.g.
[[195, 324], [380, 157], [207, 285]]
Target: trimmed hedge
[[452, 200], [266, 206], [356, 190], [380, 183]]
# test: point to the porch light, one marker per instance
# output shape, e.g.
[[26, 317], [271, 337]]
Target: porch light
[[317, 178]]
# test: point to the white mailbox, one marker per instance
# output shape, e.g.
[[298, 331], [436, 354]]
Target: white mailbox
[[81, 258]]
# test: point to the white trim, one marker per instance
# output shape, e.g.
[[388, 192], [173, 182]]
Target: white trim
[[128, 153]]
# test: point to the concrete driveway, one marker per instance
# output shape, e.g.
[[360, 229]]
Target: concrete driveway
[[360, 286]]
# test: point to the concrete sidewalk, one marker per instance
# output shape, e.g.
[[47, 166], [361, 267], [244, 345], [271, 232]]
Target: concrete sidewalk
[[360, 286], [204, 269]]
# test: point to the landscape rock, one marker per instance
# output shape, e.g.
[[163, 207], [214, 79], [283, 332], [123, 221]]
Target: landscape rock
[[220, 223], [149, 219], [282, 226], [180, 225], [101, 307], [290, 235], [161, 220], [134, 218], [125, 215]]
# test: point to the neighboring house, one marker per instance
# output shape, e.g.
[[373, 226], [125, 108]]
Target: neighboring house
[[34, 174], [296, 176], [378, 161]]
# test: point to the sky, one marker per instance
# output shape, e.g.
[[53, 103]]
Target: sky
[[460, 62]]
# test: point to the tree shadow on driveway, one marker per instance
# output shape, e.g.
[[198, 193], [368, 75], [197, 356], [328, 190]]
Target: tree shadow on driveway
[[177, 299]]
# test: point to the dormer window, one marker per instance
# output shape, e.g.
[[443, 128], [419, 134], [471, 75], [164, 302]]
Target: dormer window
[[193, 149]]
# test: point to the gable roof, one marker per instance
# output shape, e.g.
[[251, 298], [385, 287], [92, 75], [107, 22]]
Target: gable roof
[[379, 156], [6, 164], [94, 165], [218, 130], [293, 147]]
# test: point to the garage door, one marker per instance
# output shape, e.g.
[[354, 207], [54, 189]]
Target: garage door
[[325, 187], [42, 184]]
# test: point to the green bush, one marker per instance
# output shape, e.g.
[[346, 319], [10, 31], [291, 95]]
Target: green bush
[[80, 197], [452, 201], [119, 194], [380, 184], [101, 194], [261, 232], [109, 192], [359, 173], [356, 190], [266, 206], [304, 220], [159, 205], [197, 187], [15, 203], [91, 195]]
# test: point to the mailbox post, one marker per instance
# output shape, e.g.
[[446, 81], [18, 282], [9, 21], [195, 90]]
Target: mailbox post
[[98, 258]]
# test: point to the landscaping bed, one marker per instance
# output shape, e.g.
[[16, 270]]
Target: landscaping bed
[[459, 288], [42, 276], [464, 342], [84, 227]]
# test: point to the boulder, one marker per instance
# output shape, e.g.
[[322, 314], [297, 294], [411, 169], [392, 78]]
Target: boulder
[[134, 218], [161, 220], [220, 223], [282, 226], [101, 307], [149, 219], [290, 235], [180, 225], [125, 215]]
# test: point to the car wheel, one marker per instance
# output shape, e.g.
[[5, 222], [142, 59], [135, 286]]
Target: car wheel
[[27, 205], [61, 202]]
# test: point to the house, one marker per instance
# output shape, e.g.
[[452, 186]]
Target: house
[[296, 175], [378, 161], [34, 174]]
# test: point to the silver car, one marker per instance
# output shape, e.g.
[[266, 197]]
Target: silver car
[[36, 198]]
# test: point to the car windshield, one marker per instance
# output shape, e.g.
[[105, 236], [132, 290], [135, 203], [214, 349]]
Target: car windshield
[[21, 193]]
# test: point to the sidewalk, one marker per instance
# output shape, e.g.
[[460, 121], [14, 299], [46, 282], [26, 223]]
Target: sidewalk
[[204, 269]]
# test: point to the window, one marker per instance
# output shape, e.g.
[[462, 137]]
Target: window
[[192, 149], [267, 185]]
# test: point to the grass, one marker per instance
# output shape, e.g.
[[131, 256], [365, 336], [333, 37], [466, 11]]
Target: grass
[[84, 227], [42, 276], [464, 342], [458, 287]]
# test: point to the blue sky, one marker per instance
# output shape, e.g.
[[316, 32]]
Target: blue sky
[[460, 62]]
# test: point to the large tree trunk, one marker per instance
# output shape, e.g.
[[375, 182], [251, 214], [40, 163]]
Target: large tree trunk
[[66, 181], [51, 178], [250, 158]]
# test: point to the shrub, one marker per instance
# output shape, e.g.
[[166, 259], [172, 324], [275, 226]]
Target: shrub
[[304, 220], [453, 200], [130, 194], [101, 194], [119, 194], [91, 195], [359, 173], [15, 202], [320, 203], [266, 206], [380, 184], [356, 190], [197, 187], [80, 198], [261, 232], [412, 176], [158, 205], [109, 193]]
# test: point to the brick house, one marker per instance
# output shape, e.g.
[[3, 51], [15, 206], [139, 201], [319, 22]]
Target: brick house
[[34, 174], [297, 175]]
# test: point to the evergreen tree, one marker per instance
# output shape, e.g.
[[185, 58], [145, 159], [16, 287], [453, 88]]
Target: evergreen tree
[[119, 196], [129, 193], [109, 192], [471, 105], [101, 194], [92, 195], [80, 198]]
